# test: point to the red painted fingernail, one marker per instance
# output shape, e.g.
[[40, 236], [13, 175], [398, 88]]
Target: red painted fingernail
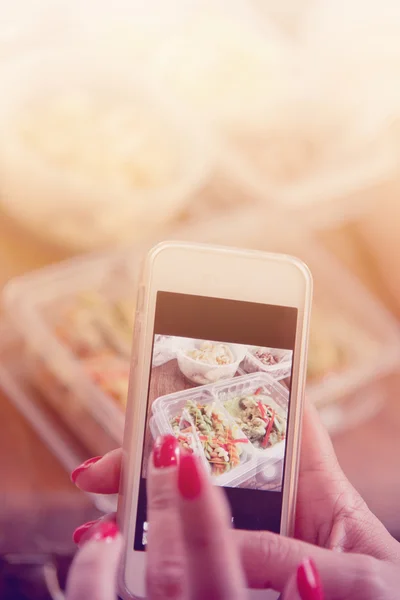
[[88, 463], [189, 478], [102, 531], [166, 452], [308, 581], [79, 531]]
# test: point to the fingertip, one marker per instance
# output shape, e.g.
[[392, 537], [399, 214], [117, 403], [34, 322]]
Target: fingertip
[[83, 467], [309, 582], [102, 531], [166, 452], [81, 530], [189, 477], [99, 475]]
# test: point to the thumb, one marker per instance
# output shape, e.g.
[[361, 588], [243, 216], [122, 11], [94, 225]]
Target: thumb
[[93, 573], [269, 561]]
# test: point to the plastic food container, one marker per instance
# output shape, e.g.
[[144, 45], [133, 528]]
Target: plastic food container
[[167, 408], [203, 373], [269, 392], [281, 370], [94, 417], [17, 384], [90, 154], [36, 302], [340, 172]]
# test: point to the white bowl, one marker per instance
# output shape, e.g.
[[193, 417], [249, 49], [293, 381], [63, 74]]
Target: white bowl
[[202, 373]]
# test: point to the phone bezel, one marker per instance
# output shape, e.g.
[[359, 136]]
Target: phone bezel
[[208, 271]]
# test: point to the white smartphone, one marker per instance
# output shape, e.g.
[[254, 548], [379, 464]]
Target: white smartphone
[[221, 332]]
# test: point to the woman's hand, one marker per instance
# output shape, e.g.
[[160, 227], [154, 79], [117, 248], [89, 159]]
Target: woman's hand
[[330, 514], [181, 498]]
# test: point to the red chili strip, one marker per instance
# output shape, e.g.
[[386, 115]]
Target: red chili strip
[[262, 410], [264, 443]]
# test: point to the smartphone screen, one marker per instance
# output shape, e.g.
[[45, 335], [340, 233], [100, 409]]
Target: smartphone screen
[[220, 381]]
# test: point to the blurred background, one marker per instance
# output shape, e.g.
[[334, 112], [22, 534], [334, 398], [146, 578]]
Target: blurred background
[[270, 124]]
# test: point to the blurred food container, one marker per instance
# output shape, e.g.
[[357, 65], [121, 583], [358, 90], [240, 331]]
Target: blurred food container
[[378, 229], [75, 319], [89, 155], [62, 350], [25, 25], [287, 14], [363, 55], [132, 29], [225, 66], [323, 161], [17, 385], [286, 135]]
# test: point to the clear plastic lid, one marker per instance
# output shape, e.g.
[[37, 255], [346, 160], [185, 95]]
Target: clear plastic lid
[[262, 389], [198, 413]]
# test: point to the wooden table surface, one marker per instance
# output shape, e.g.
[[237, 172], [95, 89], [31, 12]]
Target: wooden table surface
[[36, 491]]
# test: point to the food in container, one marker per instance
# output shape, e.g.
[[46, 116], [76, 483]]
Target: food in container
[[259, 405], [267, 356], [278, 363], [111, 374], [99, 332], [220, 444], [208, 362], [212, 353], [254, 414], [212, 433], [95, 325], [89, 154]]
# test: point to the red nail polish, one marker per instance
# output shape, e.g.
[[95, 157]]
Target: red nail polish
[[88, 463], [166, 452], [308, 581], [189, 478], [102, 531], [79, 531]]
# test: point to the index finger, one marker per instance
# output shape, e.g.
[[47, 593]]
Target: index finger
[[165, 572], [214, 569]]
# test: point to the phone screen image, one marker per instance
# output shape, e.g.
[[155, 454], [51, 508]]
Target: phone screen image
[[220, 381]]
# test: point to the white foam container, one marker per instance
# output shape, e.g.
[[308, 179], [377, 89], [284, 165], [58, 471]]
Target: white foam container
[[167, 407]]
